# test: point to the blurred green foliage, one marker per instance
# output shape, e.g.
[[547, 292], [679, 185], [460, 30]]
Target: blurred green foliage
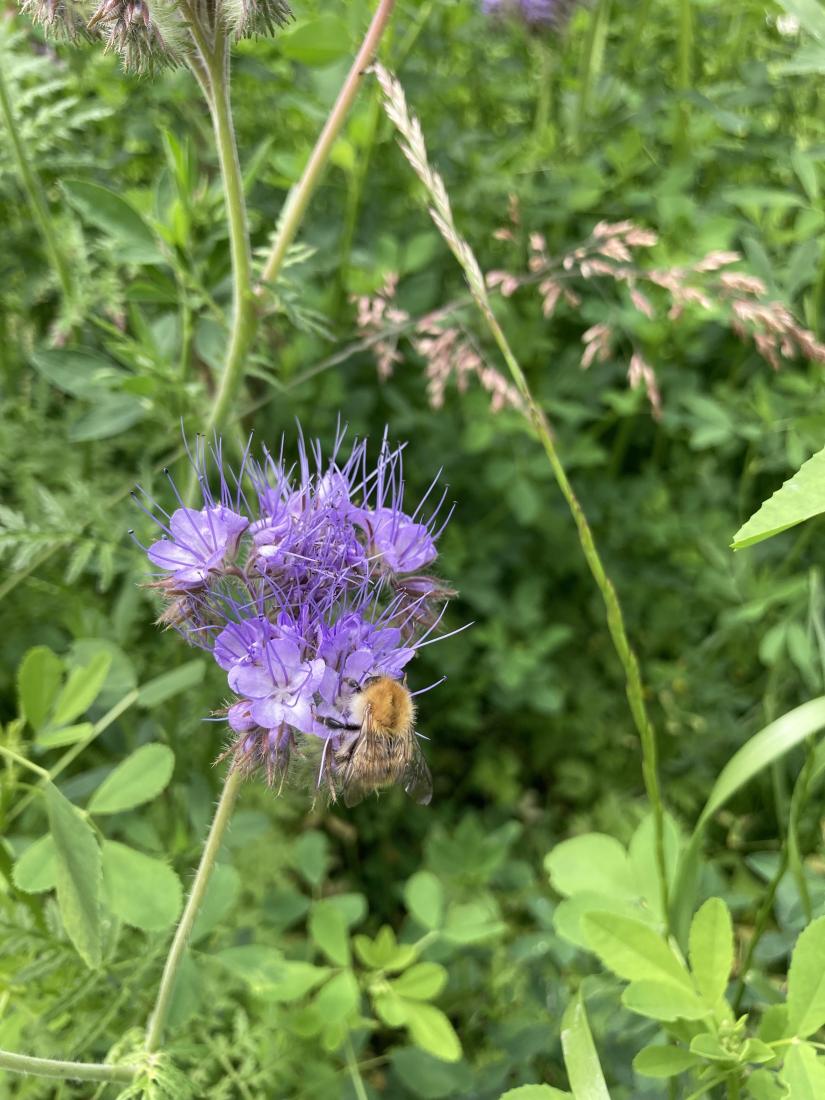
[[704, 132]]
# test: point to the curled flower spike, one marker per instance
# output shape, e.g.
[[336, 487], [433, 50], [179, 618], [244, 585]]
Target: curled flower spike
[[309, 585]]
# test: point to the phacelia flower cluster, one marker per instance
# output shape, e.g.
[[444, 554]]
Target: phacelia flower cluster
[[537, 15], [305, 582]]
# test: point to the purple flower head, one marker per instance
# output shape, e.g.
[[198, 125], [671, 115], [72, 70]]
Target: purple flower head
[[196, 544], [535, 14], [304, 582]]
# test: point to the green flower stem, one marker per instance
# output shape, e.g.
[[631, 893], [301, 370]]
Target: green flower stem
[[22, 762], [34, 193], [223, 814], [354, 1072], [77, 1071], [615, 618], [298, 198], [244, 319]]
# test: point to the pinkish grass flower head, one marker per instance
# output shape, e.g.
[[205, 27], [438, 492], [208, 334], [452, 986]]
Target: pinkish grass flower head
[[303, 581]]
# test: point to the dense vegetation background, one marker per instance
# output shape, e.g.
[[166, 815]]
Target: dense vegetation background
[[701, 122]]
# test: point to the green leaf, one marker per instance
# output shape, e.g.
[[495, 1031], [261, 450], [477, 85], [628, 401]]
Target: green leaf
[[429, 1078], [134, 240], [38, 681], [661, 1061], [801, 497], [430, 1030], [806, 981], [384, 952], [78, 875], [568, 914], [269, 975], [138, 779], [535, 1092], [580, 1058], [339, 999], [318, 42], [632, 950], [80, 690], [78, 371], [111, 414], [472, 922], [764, 1085], [221, 896], [424, 897], [310, 857], [664, 1001], [328, 929], [36, 869], [64, 735], [169, 684], [421, 982], [804, 1073], [142, 891], [711, 949], [642, 853], [593, 862]]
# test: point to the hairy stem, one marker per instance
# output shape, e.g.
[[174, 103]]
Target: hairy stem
[[76, 1071], [223, 814], [298, 198], [34, 193]]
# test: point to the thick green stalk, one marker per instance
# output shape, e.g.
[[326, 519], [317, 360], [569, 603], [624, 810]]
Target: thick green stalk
[[298, 198], [244, 318], [34, 193], [75, 1071], [223, 814]]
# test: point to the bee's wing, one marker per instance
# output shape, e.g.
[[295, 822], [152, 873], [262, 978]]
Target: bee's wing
[[365, 766], [417, 778]]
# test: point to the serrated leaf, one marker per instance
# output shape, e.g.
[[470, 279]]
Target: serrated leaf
[[144, 892], [661, 1061], [169, 684], [81, 689], [593, 862], [580, 1058], [421, 982], [430, 1030], [138, 779], [632, 950], [711, 949], [424, 897], [801, 497], [78, 875], [38, 681], [328, 929], [806, 981], [36, 869]]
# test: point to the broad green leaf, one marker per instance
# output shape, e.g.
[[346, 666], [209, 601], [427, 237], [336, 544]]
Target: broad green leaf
[[632, 950], [421, 982], [269, 975], [38, 681], [568, 914], [328, 929], [169, 684], [310, 856], [593, 862], [36, 869], [221, 896], [661, 1061], [78, 371], [806, 981], [429, 1078], [472, 922], [762, 749], [138, 779], [664, 1001], [804, 1073], [384, 952], [801, 497], [78, 875], [64, 735], [317, 42], [339, 999], [133, 239], [535, 1092], [110, 415], [81, 689], [389, 1007], [643, 859], [711, 949], [142, 891], [430, 1030], [580, 1058], [424, 897]]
